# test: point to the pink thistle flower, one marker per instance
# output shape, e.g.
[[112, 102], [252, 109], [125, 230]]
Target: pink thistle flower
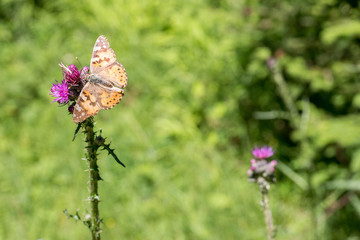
[[253, 163], [71, 74], [60, 92], [260, 168], [273, 162], [263, 153]]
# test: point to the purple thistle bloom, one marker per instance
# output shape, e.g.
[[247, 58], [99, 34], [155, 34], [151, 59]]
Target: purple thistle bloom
[[71, 74], [253, 163], [273, 164], [262, 153], [262, 170], [60, 92]]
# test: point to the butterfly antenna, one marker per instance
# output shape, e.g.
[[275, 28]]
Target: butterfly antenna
[[77, 59], [60, 63]]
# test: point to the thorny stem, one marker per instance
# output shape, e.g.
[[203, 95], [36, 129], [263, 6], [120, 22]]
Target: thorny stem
[[94, 142], [264, 186], [93, 178], [268, 215]]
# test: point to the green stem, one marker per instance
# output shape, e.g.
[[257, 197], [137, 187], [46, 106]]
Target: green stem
[[268, 215], [93, 179], [286, 96], [264, 187]]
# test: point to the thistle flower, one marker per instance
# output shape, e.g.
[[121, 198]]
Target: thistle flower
[[273, 164], [60, 92], [71, 74], [69, 89], [263, 153], [260, 167]]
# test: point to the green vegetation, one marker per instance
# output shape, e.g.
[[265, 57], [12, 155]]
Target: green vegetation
[[199, 97]]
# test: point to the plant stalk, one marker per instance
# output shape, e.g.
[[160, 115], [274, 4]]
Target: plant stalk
[[93, 179], [268, 216], [286, 96]]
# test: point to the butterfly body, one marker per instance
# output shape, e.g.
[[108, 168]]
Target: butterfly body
[[104, 86], [92, 78]]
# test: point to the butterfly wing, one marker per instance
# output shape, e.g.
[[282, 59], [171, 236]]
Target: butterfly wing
[[114, 74], [92, 99], [102, 55], [86, 104], [103, 64]]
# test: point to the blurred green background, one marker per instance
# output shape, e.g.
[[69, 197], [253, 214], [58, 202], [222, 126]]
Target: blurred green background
[[200, 96]]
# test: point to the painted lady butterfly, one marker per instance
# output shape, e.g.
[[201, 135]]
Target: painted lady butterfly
[[105, 84]]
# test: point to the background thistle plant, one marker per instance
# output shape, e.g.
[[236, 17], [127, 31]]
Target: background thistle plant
[[262, 172]]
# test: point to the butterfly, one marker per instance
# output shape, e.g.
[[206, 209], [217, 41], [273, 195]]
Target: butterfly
[[104, 86]]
